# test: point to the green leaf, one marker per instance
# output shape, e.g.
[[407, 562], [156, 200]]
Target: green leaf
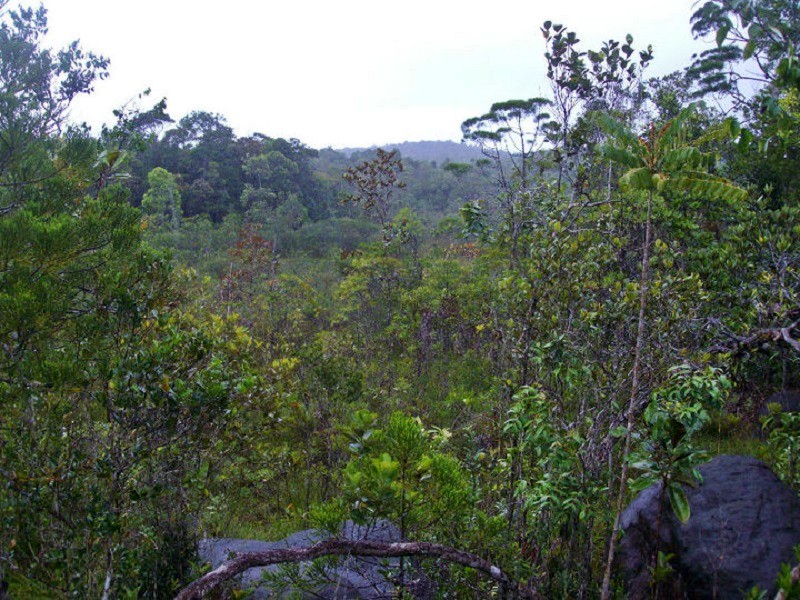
[[722, 33], [641, 483], [637, 179], [622, 157], [623, 136], [749, 50], [675, 128], [679, 501], [683, 157]]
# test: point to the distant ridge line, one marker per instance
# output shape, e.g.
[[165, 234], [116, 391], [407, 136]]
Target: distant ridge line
[[427, 150]]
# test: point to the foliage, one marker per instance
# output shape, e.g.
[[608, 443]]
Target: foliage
[[764, 33], [783, 441], [469, 379], [375, 181], [163, 199], [666, 451], [399, 473]]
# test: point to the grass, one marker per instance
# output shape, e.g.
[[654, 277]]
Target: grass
[[727, 434]]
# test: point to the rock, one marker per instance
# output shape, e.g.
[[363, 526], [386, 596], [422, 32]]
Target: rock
[[788, 401], [351, 578], [745, 522]]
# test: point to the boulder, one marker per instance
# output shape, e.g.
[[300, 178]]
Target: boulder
[[744, 523], [788, 401], [350, 578]]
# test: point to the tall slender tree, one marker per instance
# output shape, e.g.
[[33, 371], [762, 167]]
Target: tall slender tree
[[659, 164]]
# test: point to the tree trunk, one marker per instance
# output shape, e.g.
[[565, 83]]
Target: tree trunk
[[637, 365]]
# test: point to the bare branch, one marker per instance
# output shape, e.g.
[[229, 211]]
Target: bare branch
[[739, 343], [334, 547]]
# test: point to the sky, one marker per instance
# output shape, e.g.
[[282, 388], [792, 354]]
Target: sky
[[346, 73]]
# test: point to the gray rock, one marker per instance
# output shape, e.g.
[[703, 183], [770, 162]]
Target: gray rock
[[788, 401], [745, 522], [351, 578]]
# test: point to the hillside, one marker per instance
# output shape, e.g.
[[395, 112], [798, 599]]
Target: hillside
[[439, 151]]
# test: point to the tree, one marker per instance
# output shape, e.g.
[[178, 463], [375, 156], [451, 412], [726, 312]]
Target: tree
[[163, 199], [272, 178], [765, 34], [611, 81], [512, 134], [662, 163], [111, 398], [36, 89], [203, 149], [375, 182]]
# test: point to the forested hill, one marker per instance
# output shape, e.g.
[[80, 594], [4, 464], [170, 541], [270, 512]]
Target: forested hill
[[439, 151]]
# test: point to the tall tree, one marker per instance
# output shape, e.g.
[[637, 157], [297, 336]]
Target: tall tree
[[272, 178], [764, 34], [375, 182], [36, 89], [110, 398], [660, 163], [163, 199]]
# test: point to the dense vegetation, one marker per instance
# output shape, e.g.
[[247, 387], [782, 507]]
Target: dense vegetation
[[202, 334]]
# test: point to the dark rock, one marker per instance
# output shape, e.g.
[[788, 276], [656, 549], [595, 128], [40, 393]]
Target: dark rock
[[788, 401], [351, 578], [745, 522]]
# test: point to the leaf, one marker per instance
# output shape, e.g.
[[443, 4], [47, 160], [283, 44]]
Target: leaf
[[637, 179], [623, 157], [749, 50], [679, 502], [683, 157], [722, 33], [623, 136], [707, 187], [674, 128], [745, 139], [641, 483]]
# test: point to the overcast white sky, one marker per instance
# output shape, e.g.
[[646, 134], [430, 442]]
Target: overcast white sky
[[346, 72]]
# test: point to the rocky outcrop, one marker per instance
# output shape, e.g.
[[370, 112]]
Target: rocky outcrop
[[349, 578], [745, 522]]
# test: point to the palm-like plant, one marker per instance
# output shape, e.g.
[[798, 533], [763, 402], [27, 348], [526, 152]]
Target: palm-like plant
[[660, 163]]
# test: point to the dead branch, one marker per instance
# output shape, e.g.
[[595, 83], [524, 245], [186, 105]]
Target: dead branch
[[737, 344], [333, 547]]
